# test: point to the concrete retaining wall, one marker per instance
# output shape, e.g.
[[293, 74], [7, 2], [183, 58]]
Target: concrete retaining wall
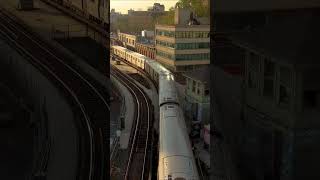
[[48, 104]]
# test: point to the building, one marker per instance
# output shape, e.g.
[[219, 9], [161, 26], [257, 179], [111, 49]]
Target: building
[[268, 124], [146, 49], [147, 34], [114, 16], [245, 6], [138, 44], [182, 16], [197, 95], [140, 20], [282, 98], [156, 8], [182, 47]]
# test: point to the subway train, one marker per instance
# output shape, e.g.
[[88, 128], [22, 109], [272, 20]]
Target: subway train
[[94, 10], [176, 159]]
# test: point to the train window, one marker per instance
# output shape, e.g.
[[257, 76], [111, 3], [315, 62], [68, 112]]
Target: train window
[[170, 107]]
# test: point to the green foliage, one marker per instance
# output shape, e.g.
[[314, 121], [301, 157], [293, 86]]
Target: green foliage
[[166, 19], [196, 5]]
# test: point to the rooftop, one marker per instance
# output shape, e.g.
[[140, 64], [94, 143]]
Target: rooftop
[[202, 74], [128, 33], [145, 41]]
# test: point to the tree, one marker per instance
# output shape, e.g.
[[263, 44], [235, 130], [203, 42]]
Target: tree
[[166, 19], [183, 4], [196, 5]]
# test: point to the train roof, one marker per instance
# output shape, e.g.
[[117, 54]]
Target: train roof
[[137, 55], [174, 139], [132, 53], [167, 89], [119, 47], [156, 66]]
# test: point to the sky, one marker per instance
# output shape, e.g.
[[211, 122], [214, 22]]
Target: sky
[[124, 5]]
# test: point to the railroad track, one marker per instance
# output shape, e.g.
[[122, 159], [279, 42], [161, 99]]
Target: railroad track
[[88, 99], [136, 68], [139, 162]]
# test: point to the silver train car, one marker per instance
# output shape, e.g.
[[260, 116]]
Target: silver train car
[[130, 56], [167, 90], [176, 160]]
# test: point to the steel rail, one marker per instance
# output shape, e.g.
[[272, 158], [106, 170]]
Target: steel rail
[[143, 72], [137, 129], [60, 60], [72, 93], [35, 39], [137, 118]]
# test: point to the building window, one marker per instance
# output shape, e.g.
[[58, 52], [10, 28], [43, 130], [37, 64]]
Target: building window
[[196, 34], [253, 69], [163, 54], [311, 98], [206, 92], [285, 89], [284, 95], [191, 34], [165, 33], [269, 71], [182, 46], [184, 57]]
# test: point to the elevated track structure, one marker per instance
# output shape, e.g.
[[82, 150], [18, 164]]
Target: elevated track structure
[[88, 98]]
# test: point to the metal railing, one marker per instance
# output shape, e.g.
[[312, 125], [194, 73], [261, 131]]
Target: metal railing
[[66, 31]]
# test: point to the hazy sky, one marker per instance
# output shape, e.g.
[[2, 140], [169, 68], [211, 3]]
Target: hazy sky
[[124, 5]]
